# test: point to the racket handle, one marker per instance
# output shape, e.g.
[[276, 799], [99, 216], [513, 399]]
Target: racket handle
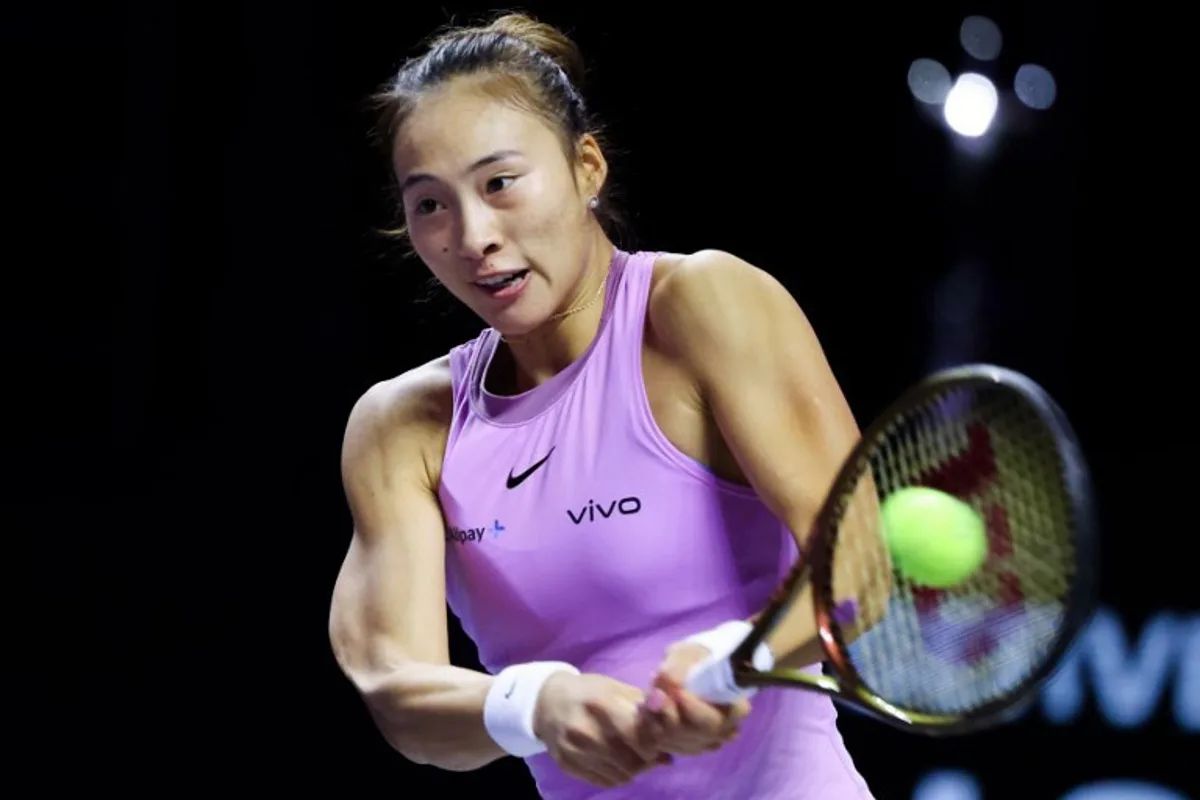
[[712, 679]]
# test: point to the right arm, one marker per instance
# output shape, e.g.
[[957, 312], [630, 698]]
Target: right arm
[[387, 621]]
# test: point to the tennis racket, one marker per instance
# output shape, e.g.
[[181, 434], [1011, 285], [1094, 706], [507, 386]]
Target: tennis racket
[[943, 661]]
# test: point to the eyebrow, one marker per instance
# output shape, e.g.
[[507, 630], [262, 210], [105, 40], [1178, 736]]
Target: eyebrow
[[420, 177]]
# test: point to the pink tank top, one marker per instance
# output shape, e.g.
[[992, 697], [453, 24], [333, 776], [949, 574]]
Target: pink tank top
[[576, 532]]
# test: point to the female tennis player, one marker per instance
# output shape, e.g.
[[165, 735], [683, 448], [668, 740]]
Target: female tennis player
[[604, 485]]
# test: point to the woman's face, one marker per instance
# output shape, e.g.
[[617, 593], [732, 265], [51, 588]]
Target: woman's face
[[493, 205]]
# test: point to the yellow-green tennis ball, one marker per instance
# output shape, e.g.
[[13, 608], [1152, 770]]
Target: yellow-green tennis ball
[[935, 539]]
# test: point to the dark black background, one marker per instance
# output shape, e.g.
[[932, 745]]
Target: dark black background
[[196, 298]]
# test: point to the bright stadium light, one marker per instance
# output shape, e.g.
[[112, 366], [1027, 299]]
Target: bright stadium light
[[971, 105]]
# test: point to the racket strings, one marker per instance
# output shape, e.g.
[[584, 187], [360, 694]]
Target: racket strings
[[952, 651]]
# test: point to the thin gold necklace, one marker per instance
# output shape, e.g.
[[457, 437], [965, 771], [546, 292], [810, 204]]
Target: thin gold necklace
[[572, 310]]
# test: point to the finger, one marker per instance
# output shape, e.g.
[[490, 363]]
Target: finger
[[680, 659], [599, 760], [622, 731], [659, 707], [676, 738], [589, 749], [735, 714], [660, 719], [656, 700], [667, 729], [622, 759], [637, 727], [649, 729], [696, 714], [653, 737], [595, 777], [580, 757], [673, 732], [666, 738]]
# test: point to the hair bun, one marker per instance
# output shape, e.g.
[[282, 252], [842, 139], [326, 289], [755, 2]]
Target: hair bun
[[549, 40]]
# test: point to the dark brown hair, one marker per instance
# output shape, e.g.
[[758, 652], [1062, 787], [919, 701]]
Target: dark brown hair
[[517, 58]]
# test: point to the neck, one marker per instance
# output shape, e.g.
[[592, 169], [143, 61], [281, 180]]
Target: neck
[[548, 349]]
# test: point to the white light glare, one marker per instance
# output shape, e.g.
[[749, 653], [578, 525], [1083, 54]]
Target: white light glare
[[971, 105]]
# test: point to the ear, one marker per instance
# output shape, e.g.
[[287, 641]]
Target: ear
[[591, 168]]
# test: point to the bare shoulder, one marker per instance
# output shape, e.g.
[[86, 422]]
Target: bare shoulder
[[712, 294], [403, 419]]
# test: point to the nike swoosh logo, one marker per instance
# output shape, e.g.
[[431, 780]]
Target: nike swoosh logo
[[515, 481], [511, 686]]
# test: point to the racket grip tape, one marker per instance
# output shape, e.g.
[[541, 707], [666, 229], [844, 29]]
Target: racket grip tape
[[712, 679]]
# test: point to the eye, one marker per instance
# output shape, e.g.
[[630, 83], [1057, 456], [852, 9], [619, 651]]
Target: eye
[[425, 206], [500, 183]]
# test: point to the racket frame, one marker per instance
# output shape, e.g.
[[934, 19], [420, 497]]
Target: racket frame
[[815, 567]]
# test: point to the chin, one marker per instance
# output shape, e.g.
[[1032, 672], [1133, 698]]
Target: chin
[[518, 318]]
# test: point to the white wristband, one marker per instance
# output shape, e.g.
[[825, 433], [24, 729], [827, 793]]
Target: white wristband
[[721, 641], [511, 700]]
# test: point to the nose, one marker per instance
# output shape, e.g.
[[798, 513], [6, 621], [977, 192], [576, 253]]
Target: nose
[[479, 234]]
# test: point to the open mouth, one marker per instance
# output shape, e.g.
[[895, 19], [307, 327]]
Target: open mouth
[[503, 284]]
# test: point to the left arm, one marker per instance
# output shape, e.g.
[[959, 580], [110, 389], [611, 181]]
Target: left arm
[[766, 381]]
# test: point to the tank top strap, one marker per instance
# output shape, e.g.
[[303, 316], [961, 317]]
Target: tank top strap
[[460, 364], [462, 360], [629, 302], [628, 322]]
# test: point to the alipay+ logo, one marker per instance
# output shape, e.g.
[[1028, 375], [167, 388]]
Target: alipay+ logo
[[469, 535]]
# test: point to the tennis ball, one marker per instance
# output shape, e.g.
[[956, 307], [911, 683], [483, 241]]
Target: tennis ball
[[935, 538]]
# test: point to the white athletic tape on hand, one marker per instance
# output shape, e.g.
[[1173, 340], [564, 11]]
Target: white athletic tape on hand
[[712, 678], [511, 701]]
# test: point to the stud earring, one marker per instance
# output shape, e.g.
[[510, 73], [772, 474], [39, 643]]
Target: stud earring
[[593, 201]]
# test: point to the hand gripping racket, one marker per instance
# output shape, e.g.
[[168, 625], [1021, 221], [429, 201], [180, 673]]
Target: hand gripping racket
[[943, 661]]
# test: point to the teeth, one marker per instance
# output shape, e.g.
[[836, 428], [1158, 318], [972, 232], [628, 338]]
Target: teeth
[[500, 280]]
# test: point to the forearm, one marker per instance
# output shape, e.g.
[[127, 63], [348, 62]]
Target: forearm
[[795, 642], [861, 588], [433, 714]]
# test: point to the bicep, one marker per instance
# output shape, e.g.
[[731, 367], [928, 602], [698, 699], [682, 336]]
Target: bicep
[[792, 430], [388, 603], [784, 417], [769, 387]]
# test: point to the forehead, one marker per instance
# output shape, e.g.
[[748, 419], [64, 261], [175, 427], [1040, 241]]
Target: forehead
[[453, 126]]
